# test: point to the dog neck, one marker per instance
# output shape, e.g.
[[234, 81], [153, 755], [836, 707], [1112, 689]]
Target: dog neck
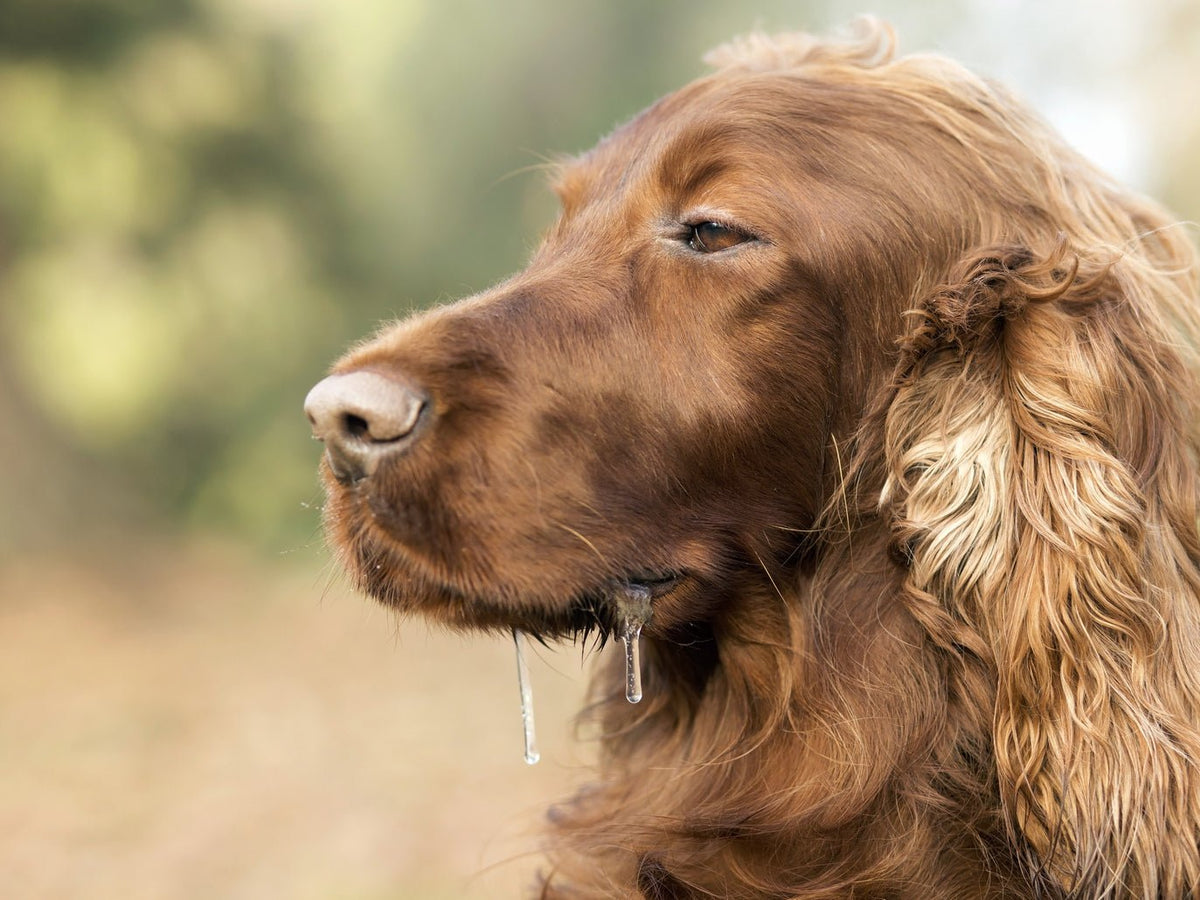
[[769, 739]]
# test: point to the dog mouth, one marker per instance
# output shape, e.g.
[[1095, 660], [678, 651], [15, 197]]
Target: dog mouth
[[448, 568], [551, 605]]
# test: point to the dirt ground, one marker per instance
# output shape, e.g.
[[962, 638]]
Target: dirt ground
[[197, 725]]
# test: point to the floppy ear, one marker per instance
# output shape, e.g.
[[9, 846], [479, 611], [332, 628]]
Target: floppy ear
[[1042, 478]]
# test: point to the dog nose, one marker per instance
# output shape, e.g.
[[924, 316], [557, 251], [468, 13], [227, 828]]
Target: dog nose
[[362, 417]]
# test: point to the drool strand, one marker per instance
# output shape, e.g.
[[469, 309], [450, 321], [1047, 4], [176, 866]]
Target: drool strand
[[631, 637], [531, 751], [633, 609]]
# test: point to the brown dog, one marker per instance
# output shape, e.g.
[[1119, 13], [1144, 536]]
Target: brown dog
[[881, 403]]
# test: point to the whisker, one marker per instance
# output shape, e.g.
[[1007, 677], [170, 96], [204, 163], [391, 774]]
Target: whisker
[[567, 528]]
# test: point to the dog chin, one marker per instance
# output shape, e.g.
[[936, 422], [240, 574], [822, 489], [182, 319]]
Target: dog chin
[[403, 584]]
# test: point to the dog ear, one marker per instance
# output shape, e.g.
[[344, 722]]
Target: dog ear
[[1042, 461]]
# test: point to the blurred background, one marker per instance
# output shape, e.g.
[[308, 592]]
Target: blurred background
[[202, 203]]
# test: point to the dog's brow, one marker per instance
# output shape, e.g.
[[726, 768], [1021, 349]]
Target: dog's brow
[[685, 176]]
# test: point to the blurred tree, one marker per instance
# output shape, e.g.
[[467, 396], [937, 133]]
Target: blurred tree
[[84, 32], [166, 235]]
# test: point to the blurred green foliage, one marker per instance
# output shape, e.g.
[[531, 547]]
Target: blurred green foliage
[[202, 202]]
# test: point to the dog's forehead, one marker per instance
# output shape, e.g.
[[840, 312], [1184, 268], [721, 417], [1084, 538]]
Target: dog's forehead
[[625, 153], [684, 136]]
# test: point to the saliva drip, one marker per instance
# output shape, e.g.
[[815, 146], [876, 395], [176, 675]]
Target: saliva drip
[[531, 751], [633, 612], [631, 637], [633, 608]]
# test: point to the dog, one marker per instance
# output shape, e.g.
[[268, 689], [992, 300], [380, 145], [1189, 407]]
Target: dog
[[872, 407]]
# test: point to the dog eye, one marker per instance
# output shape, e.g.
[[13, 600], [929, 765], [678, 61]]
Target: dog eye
[[712, 237]]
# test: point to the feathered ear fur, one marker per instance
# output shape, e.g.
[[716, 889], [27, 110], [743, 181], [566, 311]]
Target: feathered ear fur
[[1042, 478]]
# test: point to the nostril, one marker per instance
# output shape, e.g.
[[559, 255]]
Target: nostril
[[362, 416], [357, 427]]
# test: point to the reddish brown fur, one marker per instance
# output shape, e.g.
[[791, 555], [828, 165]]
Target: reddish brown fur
[[924, 451]]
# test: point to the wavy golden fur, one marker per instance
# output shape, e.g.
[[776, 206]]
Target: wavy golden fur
[[909, 452]]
